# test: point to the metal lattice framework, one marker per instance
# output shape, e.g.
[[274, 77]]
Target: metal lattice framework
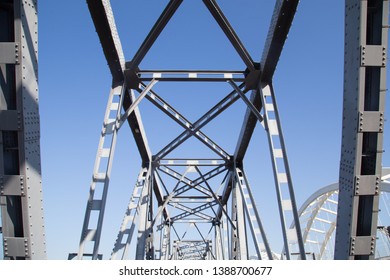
[[198, 207], [191, 208], [318, 215]]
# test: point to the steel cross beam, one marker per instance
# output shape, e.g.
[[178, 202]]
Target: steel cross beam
[[195, 211], [194, 184], [185, 123], [201, 122], [188, 184], [191, 75], [229, 32], [171, 8], [162, 21]]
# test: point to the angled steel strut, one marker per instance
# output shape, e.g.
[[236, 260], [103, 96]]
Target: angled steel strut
[[207, 211]]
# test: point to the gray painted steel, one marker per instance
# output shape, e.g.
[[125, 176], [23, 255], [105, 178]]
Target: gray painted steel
[[20, 164], [362, 135], [157, 208], [103, 19], [321, 201], [281, 22], [230, 210]]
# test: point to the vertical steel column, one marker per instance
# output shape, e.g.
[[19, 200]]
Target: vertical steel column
[[219, 247], [282, 175], [225, 239], [127, 228], [366, 38], [256, 227], [239, 243], [144, 248], [20, 166], [166, 242]]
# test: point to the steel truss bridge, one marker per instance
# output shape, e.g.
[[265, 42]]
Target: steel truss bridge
[[191, 207]]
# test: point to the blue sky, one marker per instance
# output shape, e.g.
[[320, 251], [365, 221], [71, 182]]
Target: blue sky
[[74, 83]]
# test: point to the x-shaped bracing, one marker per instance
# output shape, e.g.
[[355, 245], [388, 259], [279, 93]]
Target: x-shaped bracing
[[256, 77]]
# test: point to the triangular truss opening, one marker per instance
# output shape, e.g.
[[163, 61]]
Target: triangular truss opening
[[174, 39]]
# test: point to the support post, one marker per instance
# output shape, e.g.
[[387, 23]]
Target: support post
[[218, 244], [128, 225], [166, 242], [144, 248], [239, 242], [366, 38], [282, 175], [22, 221]]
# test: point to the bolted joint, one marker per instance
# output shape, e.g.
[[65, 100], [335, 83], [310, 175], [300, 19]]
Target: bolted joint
[[366, 185], [16, 53], [371, 121], [216, 222], [131, 76], [373, 55], [362, 245], [252, 78]]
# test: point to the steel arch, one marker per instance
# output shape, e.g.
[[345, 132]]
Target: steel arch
[[318, 219]]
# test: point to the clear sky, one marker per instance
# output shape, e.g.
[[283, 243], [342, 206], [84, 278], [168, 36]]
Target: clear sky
[[74, 83]]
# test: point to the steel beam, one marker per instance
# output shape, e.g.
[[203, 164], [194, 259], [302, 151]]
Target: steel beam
[[21, 204], [144, 226], [193, 211], [103, 19], [104, 22], [281, 22], [201, 122], [192, 75], [100, 182], [127, 228], [252, 213], [366, 40], [239, 245], [187, 162], [129, 74], [188, 184], [248, 127], [223, 22], [156, 30], [193, 79], [137, 128], [282, 175], [247, 101], [185, 123], [196, 183]]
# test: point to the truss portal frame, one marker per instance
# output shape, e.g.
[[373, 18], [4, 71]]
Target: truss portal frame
[[224, 216]]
